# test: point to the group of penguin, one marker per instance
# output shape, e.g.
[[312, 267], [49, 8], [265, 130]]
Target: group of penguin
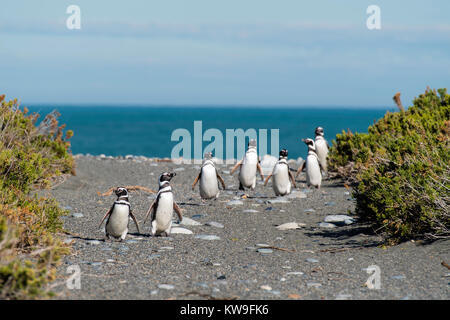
[[162, 208]]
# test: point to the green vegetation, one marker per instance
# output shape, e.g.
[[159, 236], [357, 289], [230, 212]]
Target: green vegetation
[[30, 157], [401, 169]]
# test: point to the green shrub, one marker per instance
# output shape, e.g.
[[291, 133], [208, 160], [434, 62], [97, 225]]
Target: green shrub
[[30, 156], [401, 169]]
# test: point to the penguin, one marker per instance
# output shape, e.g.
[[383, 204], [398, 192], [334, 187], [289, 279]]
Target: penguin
[[321, 148], [162, 207], [118, 216], [209, 179], [282, 178], [248, 165], [312, 165]]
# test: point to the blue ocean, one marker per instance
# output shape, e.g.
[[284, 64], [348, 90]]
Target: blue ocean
[[147, 131]]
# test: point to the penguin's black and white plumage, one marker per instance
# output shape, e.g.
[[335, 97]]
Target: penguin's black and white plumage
[[248, 167], [312, 165], [119, 216], [161, 210], [321, 148], [282, 178], [209, 179]]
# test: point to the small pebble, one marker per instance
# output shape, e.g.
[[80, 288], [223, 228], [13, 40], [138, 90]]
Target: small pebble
[[214, 224], [313, 285], [266, 287], [180, 231], [166, 286], [77, 215], [265, 250], [312, 260], [296, 273], [207, 237], [327, 225], [190, 222], [234, 203], [93, 242], [250, 211]]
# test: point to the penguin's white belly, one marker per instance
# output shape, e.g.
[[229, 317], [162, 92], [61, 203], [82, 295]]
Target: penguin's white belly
[[209, 187], [247, 175], [164, 212], [118, 220], [313, 174], [280, 180], [322, 152]]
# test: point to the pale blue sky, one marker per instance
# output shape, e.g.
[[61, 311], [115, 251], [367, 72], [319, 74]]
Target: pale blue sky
[[223, 52]]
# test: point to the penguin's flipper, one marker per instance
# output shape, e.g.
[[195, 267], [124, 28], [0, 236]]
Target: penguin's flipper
[[267, 179], [107, 214], [300, 169], [135, 221], [178, 211], [196, 180], [149, 210], [291, 176], [260, 171], [235, 167], [222, 182]]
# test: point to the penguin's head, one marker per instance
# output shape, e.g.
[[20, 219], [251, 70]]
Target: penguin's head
[[208, 155], [252, 143], [165, 177], [310, 143], [121, 192], [319, 131], [283, 153]]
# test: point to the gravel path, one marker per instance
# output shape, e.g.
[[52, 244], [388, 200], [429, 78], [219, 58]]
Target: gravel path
[[235, 250]]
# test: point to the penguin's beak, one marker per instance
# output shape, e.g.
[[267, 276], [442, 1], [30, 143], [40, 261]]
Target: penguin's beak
[[172, 174]]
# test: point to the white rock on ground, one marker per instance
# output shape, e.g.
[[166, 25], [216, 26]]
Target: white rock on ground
[[290, 226], [207, 237], [339, 219], [180, 231], [279, 200], [189, 222]]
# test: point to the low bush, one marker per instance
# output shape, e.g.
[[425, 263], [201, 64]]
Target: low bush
[[30, 157], [401, 169]]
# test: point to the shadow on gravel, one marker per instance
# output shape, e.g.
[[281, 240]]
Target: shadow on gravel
[[358, 235]]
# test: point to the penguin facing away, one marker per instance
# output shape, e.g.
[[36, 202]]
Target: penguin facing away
[[118, 216], [209, 179], [282, 178], [161, 209], [321, 148], [248, 166], [312, 165]]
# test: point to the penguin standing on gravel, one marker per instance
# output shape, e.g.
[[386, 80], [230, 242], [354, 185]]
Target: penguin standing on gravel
[[248, 165], [321, 148], [118, 216], [161, 209], [312, 165], [282, 178], [209, 179]]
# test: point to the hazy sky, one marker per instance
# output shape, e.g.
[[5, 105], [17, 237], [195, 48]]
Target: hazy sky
[[252, 52]]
